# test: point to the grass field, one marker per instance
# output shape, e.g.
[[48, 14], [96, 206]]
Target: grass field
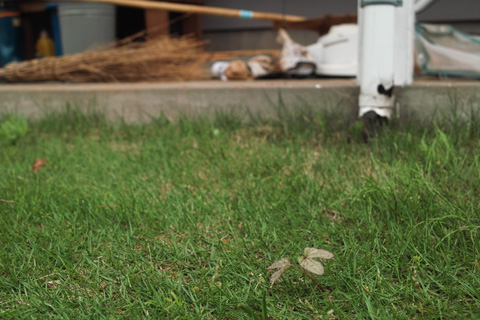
[[180, 221]]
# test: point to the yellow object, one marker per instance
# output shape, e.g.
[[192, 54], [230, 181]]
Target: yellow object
[[45, 46]]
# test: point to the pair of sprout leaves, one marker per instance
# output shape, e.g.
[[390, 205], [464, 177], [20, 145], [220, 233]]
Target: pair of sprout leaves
[[306, 261]]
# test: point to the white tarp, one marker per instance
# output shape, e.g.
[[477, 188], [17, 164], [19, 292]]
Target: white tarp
[[443, 50]]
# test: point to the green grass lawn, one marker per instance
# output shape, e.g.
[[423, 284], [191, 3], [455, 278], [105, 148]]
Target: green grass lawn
[[180, 221]]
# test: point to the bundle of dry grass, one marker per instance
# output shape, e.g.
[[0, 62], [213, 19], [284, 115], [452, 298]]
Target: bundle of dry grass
[[159, 59]]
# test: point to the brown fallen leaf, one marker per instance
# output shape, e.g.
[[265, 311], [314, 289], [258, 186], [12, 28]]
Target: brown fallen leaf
[[53, 284], [38, 164]]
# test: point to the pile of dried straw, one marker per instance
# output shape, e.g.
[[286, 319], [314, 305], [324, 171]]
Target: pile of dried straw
[[159, 59]]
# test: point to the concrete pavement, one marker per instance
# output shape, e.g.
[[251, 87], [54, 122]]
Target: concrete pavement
[[137, 102]]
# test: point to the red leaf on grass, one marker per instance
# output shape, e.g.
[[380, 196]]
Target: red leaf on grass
[[38, 164]]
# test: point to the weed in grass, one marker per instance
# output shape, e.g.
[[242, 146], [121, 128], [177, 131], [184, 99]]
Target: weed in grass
[[306, 261], [11, 129]]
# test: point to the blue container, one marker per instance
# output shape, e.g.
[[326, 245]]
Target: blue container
[[53, 8], [10, 48]]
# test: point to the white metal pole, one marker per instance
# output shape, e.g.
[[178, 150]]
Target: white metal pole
[[385, 53], [404, 43]]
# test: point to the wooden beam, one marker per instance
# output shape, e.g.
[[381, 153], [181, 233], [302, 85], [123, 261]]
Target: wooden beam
[[32, 6], [156, 23]]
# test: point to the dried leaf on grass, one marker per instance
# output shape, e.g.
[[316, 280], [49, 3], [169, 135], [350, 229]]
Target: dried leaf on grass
[[281, 264], [53, 284], [314, 266], [38, 164]]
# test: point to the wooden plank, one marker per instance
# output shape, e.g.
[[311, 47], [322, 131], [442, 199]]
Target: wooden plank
[[156, 23], [192, 25], [32, 6], [228, 55]]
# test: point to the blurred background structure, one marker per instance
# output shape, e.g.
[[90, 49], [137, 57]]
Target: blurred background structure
[[22, 22]]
